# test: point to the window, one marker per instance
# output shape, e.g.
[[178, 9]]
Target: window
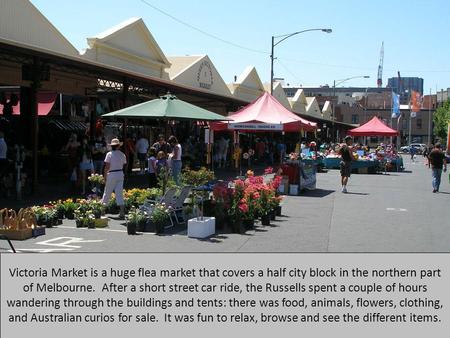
[[419, 123], [355, 119]]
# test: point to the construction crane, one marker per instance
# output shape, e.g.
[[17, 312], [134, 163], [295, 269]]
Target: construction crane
[[380, 67]]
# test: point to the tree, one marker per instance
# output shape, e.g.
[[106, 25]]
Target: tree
[[440, 119]]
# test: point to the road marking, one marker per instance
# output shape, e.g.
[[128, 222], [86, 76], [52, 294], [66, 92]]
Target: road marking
[[397, 209], [64, 242], [105, 229]]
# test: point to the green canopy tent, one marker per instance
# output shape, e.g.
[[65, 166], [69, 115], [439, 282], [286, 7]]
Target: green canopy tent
[[168, 107]]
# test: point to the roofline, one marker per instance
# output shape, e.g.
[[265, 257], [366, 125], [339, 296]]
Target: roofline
[[6, 44]]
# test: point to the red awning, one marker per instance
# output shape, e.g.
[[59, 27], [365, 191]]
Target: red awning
[[45, 104], [265, 114], [375, 127]]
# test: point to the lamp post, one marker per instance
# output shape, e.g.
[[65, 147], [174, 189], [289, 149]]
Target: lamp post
[[282, 38], [337, 83]]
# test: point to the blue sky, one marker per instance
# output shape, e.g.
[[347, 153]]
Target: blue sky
[[415, 35]]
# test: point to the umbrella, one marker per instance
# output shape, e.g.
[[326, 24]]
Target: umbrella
[[167, 107]]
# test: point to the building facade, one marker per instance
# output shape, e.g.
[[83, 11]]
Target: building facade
[[404, 86]]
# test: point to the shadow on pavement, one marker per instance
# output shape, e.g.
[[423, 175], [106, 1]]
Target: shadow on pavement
[[357, 193], [317, 193]]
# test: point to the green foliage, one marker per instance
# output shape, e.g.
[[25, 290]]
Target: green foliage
[[197, 178], [160, 214], [441, 118]]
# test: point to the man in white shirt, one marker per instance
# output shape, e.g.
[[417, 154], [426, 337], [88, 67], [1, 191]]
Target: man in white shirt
[[141, 150], [115, 162]]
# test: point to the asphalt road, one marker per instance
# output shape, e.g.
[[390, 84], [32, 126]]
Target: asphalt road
[[381, 213]]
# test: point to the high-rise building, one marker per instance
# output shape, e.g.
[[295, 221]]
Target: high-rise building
[[405, 86]]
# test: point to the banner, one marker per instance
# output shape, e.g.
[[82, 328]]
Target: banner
[[255, 126], [395, 105], [416, 101]]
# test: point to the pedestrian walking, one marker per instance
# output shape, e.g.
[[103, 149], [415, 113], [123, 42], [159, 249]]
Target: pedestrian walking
[[141, 150], [115, 162], [176, 158], [438, 162], [346, 163], [412, 151]]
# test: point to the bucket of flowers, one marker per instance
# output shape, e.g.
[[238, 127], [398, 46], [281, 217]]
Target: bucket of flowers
[[239, 209], [135, 219], [97, 182], [160, 217], [69, 208]]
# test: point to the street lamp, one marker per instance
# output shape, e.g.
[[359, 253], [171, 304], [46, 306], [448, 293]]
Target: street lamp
[[282, 38], [337, 83]]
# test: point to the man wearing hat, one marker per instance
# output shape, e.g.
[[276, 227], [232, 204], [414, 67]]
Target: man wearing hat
[[346, 162], [115, 162]]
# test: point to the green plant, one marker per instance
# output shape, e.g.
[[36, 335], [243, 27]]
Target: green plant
[[440, 119], [197, 178], [136, 217], [69, 207]]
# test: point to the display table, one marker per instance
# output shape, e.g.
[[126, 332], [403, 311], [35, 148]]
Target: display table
[[360, 166]]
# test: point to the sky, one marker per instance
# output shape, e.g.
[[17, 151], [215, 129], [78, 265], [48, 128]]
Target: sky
[[415, 35]]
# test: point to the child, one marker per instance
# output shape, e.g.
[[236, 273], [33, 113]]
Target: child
[[161, 162]]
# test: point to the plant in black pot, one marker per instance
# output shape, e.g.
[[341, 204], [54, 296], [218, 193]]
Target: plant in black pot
[[133, 219], [69, 208], [160, 217]]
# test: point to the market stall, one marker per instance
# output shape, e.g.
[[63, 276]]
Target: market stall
[[382, 159], [267, 114]]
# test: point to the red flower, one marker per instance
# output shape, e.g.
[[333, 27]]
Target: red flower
[[243, 208], [268, 171]]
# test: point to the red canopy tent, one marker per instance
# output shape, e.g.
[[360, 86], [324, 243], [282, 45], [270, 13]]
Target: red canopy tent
[[375, 127], [265, 114]]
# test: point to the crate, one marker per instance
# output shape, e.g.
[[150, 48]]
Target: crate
[[38, 231], [17, 234]]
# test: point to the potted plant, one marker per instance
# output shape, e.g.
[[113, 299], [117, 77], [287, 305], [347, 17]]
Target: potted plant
[[160, 217], [97, 182], [79, 218], [97, 208], [90, 220], [69, 208], [239, 207]]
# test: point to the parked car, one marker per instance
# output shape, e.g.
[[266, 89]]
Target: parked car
[[419, 147]]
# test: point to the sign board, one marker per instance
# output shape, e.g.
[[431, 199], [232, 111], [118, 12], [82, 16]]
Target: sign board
[[307, 176], [255, 126]]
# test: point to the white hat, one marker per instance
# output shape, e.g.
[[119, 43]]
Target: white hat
[[115, 142]]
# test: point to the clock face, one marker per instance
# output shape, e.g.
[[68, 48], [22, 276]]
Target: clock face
[[205, 75]]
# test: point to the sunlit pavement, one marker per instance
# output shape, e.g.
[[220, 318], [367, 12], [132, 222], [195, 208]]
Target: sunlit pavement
[[381, 213]]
